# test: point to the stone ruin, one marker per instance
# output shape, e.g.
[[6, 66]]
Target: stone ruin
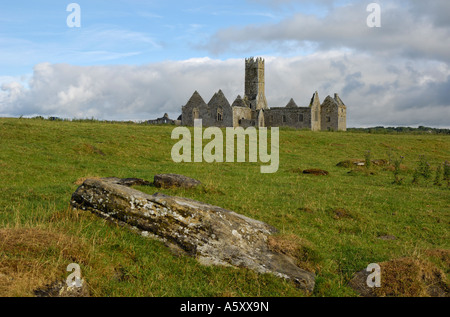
[[253, 109]]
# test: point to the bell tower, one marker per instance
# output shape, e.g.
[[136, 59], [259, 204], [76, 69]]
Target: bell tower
[[255, 83]]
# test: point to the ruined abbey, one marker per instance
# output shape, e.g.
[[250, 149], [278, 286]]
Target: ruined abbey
[[253, 110]]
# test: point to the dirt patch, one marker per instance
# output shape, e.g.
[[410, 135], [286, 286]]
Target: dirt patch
[[88, 149], [361, 170], [306, 209], [351, 163], [441, 254], [337, 144], [81, 180], [340, 213], [315, 171], [391, 168], [300, 249], [404, 277], [387, 237], [30, 257], [380, 162], [359, 162]]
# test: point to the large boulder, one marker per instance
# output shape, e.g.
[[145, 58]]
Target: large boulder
[[215, 236]]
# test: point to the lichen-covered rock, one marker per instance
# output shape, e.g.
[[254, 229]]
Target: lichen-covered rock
[[215, 236], [174, 180]]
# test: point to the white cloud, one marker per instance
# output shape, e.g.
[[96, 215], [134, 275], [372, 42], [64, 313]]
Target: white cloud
[[376, 92], [406, 31]]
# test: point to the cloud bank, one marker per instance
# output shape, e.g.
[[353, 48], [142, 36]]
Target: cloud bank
[[376, 92]]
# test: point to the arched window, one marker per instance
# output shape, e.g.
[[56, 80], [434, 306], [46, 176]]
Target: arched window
[[195, 114], [219, 114]]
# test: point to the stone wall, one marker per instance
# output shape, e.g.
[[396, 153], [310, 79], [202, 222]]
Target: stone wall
[[342, 113], [299, 118], [241, 115], [195, 108], [221, 114], [315, 112]]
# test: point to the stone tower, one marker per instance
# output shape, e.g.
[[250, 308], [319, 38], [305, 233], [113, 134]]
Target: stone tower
[[315, 112], [342, 113], [255, 83]]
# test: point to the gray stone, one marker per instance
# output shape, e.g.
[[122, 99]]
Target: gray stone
[[128, 181], [60, 289], [213, 235], [174, 180], [291, 104]]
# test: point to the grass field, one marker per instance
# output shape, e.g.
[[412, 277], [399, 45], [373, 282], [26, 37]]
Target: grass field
[[338, 218]]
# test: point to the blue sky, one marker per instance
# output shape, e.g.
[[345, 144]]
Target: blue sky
[[138, 59], [124, 32]]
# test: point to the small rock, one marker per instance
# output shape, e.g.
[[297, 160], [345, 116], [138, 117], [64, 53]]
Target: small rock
[[128, 181], [174, 180], [350, 163], [380, 162], [60, 289], [306, 209], [359, 162]]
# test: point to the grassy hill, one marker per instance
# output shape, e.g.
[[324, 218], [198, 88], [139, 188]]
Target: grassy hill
[[337, 220]]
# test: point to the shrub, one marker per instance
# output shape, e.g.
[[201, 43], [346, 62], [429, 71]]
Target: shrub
[[446, 173], [424, 167], [438, 177], [368, 159], [396, 171]]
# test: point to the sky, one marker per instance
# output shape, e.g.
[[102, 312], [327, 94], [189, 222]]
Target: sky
[[136, 59]]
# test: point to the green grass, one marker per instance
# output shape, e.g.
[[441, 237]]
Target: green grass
[[40, 161]]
